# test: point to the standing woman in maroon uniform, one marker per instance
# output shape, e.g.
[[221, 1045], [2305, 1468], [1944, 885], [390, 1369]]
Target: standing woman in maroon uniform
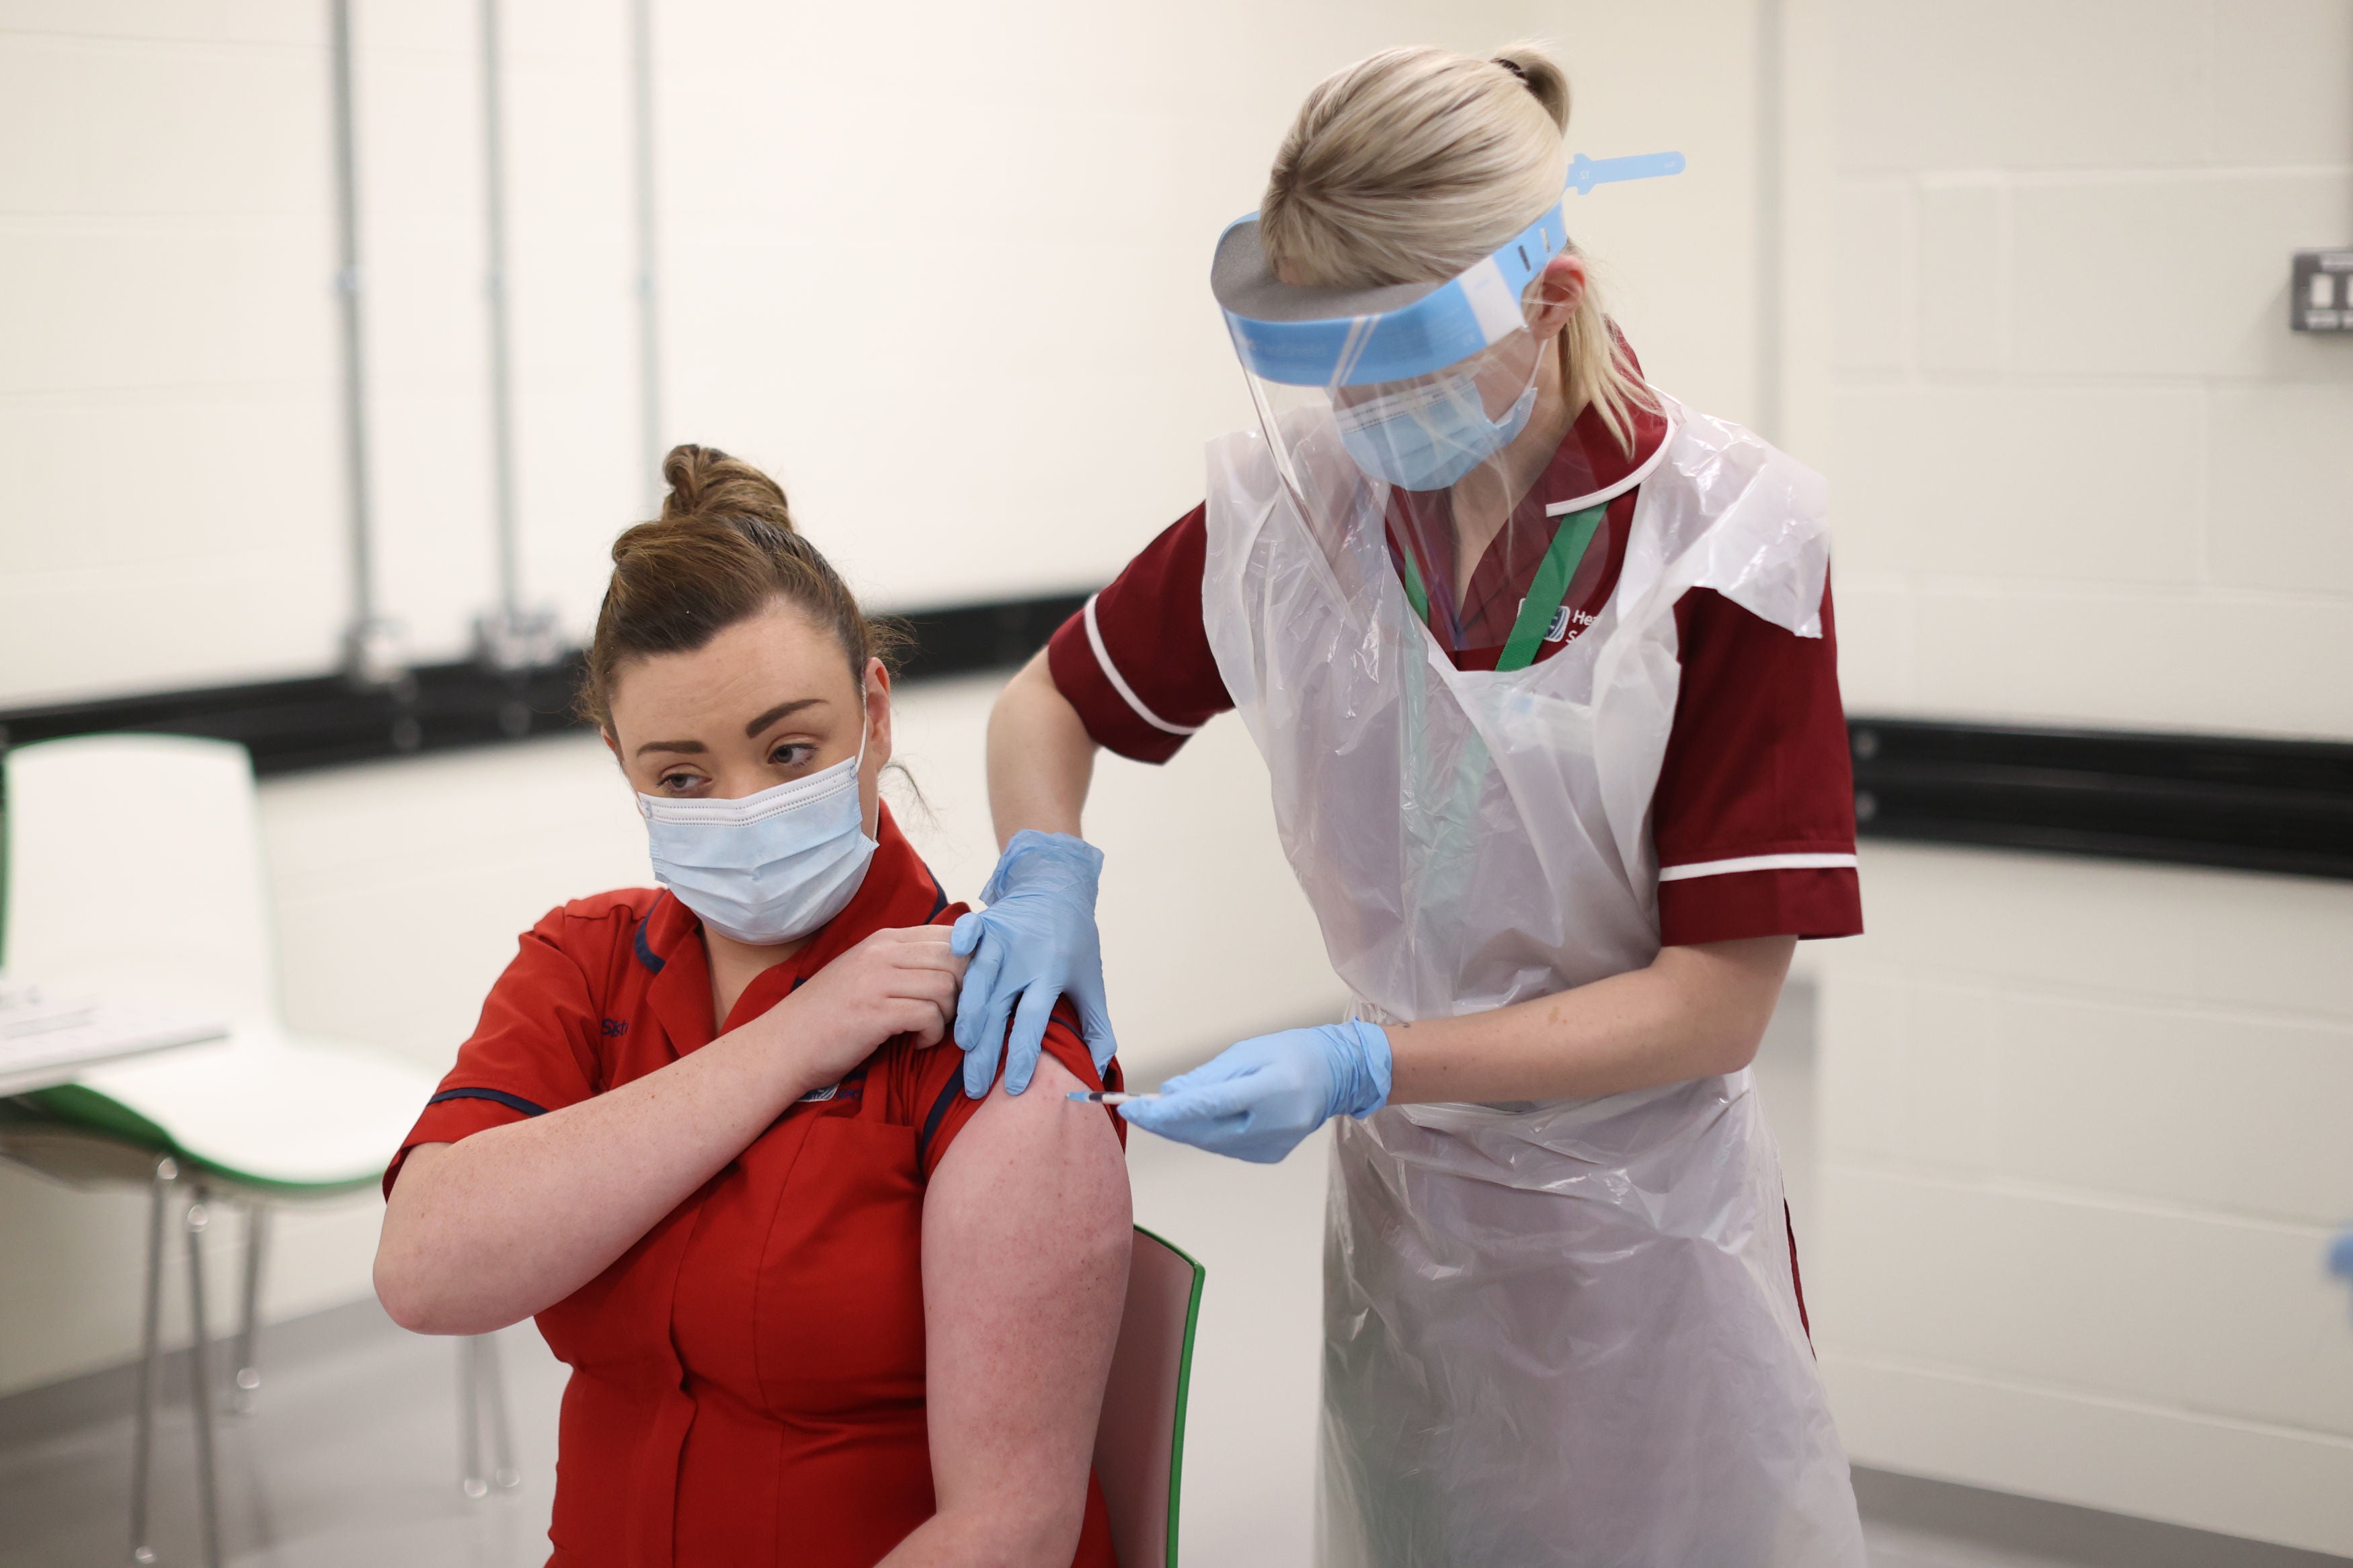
[[1541, 664]]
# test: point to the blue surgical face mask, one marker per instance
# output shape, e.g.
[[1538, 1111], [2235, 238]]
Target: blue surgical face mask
[[771, 867], [1427, 436]]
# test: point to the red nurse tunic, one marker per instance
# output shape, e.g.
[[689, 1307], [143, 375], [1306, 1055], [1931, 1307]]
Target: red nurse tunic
[[747, 1381]]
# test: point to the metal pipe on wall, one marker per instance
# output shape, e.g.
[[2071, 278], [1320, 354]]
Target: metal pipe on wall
[[494, 221], [507, 637], [641, 40], [372, 651], [1770, 195]]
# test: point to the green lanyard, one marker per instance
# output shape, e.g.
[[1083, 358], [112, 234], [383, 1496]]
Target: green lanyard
[[1546, 594]]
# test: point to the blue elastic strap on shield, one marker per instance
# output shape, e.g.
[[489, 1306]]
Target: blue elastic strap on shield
[[1291, 335], [1584, 172]]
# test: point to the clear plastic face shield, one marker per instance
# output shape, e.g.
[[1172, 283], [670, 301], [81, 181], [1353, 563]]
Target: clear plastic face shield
[[1392, 412]]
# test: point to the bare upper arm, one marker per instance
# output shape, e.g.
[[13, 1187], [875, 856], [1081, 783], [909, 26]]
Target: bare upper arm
[[1026, 1242]]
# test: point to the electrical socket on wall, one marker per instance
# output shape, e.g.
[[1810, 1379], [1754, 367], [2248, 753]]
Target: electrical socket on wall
[[2320, 291]]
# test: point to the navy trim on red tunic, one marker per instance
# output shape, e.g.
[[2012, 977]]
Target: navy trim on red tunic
[[496, 1096]]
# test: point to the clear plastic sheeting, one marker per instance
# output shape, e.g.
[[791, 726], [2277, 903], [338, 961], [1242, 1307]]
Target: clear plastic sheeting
[[1556, 1334], [1568, 1334]]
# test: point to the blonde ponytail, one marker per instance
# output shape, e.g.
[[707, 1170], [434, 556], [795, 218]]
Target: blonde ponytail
[[1414, 164]]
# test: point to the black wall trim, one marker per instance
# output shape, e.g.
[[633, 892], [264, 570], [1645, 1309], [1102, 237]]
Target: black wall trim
[[2198, 800], [2193, 800], [324, 720], [970, 639], [292, 725]]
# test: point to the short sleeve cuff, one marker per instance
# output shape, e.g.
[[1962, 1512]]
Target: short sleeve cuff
[[1111, 719], [455, 1114], [1809, 903]]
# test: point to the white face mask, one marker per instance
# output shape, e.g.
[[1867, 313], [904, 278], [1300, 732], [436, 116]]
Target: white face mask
[[771, 867]]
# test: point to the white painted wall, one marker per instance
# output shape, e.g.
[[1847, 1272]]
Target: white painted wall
[[857, 212], [2081, 1124], [2075, 1153], [2085, 471], [991, 227], [2083, 1145], [1677, 258], [989, 224]]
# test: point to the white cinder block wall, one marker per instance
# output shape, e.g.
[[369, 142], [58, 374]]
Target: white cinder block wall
[[2077, 1156], [990, 227], [2082, 1124]]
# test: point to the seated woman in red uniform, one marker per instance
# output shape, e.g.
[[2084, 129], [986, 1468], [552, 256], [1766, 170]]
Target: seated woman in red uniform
[[820, 1308]]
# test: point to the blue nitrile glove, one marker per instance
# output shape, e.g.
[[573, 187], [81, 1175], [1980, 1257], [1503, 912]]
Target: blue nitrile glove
[[1035, 941], [2340, 1256], [1257, 1099]]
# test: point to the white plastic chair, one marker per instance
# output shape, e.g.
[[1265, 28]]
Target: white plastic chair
[[134, 867], [1140, 1438]]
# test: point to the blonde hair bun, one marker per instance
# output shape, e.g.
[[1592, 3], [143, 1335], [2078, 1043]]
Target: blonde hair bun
[[1540, 74]]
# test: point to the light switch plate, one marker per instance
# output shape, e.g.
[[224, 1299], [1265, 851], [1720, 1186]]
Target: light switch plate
[[2320, 291]]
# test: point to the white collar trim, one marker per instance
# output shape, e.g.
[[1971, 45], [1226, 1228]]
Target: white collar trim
[[1611, 492]]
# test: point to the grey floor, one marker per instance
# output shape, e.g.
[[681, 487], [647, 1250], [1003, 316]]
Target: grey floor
[[351, 1458]]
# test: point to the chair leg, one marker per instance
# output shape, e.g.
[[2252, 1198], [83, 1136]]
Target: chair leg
[[200, 1384], [150, 1359], [483, 1406], [469, 1417], [256, 1247], [493, 1391]]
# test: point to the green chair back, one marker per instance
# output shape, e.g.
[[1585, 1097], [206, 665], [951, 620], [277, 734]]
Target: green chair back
[[1140, 1441]]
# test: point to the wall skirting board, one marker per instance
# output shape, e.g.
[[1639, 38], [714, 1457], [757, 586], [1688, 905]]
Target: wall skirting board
[[2190, 799]]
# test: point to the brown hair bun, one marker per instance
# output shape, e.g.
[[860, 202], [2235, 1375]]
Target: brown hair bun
[[724, 549], [706, 482]]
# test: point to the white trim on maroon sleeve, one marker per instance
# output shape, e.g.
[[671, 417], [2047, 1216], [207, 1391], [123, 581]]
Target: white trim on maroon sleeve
[[1758, 863], [1111, 673]]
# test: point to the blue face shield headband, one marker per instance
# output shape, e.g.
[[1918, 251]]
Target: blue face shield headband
[[1294, 335]]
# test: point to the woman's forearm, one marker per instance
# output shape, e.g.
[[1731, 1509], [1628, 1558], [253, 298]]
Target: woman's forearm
[[485, 1232], [1695, 1012], [1041, 757]]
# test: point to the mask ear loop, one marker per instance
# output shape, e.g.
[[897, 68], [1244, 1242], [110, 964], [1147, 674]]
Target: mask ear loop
[[857, 771], [865, 724]]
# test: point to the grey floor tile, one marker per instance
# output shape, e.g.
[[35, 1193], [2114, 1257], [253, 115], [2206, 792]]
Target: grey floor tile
[[351, 1461]]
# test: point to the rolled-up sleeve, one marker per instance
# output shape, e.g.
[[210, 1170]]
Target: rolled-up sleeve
[[533, 1051]]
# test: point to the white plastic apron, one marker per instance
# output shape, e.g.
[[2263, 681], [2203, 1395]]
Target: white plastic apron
[[1556, 1334]]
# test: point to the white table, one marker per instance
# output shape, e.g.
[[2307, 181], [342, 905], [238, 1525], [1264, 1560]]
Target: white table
[[47, 1039]]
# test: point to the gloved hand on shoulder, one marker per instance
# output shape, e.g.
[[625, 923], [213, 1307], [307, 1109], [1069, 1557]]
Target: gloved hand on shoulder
[[1035, 941]]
